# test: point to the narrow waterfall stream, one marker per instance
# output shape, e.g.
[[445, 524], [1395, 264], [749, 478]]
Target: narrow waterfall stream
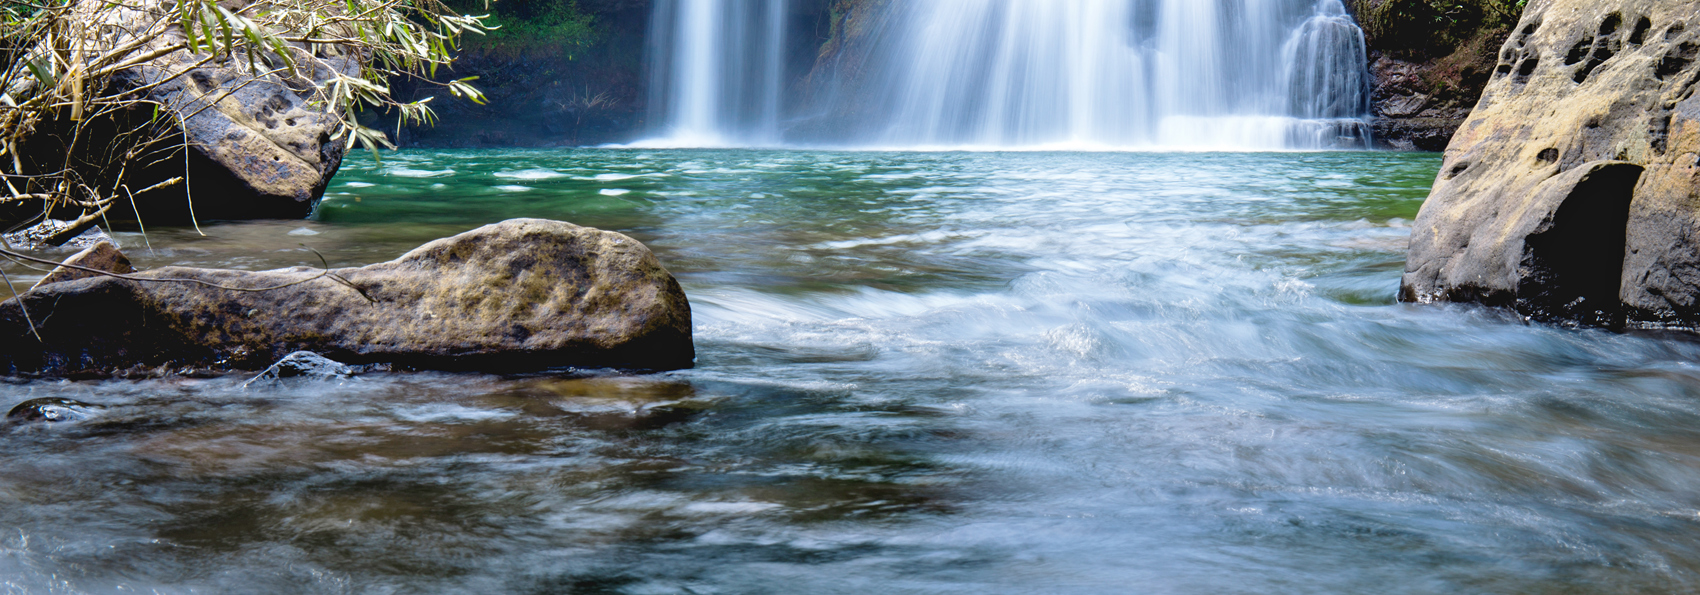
[[716, 70], [1072, 74]]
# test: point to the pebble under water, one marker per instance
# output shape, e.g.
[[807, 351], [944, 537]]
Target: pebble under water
[[918, 373]]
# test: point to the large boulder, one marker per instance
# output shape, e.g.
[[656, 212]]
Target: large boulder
[[522, 295], [256, 142], [1570, 192]]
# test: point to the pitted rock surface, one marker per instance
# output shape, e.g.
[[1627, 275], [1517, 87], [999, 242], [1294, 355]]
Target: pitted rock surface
[[260, 145], [1570, 192], [522, 295]]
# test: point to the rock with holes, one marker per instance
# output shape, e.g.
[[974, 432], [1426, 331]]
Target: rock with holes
[[259, 143], [522, 295], [1570, 193]]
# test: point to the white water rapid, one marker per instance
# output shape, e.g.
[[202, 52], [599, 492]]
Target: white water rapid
[[1066, 74]]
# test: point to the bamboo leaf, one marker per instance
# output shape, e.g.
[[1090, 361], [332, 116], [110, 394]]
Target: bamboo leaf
[[48, 81]]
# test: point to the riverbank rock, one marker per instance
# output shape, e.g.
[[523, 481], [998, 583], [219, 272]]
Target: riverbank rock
[[36, 236], [522, 295], [259, 145], [1408, 112], [1570, 192]]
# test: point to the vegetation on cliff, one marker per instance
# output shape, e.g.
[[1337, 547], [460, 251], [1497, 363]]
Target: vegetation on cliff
[[1434, 25], [534, 27], [1458, 39]]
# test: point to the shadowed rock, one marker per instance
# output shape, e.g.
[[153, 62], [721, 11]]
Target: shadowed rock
[[1570, 192], [36, 236], [521, 295]]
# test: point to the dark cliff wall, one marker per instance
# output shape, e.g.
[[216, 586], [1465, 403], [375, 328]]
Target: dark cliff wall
[[827, 96], [1430, 60], [558, 73]]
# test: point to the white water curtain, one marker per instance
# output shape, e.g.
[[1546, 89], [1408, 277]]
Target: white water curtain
[[1036, 73]]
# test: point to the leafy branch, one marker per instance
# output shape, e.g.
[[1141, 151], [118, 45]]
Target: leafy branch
[[76, 119]]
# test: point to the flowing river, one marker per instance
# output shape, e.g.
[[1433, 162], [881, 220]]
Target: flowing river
[[958, 372]]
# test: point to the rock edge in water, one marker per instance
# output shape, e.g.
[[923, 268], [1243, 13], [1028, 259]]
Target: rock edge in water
[[1570, 192], [517, 296]]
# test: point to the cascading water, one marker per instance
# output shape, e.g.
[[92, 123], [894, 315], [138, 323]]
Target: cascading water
[[716, 69], [1028, 73], [1327, 84]]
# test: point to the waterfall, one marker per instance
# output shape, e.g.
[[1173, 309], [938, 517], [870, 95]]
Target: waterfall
[[716, 68], [1327, 84], [1249, 74]]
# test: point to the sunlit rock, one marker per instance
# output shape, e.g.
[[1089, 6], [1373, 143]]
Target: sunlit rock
[[525, 294], [102, 256], [1570, 192], [259, 141]]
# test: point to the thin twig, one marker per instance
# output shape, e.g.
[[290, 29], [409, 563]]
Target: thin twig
[[21, 309], [324, 273]]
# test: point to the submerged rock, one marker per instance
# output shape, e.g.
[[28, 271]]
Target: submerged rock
[[303, 364], [1570, 192], [51, 409], [526, 294]]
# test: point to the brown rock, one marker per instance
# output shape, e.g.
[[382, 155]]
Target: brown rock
[[526, 294], [1570, 192], [102, 257], [260, 145]]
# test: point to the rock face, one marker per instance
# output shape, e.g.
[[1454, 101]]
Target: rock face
[[258, 146], [521, 295], [1408, 114], [1570, 192]]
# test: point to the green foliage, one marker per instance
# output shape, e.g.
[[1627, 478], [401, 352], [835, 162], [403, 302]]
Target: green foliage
[[62, 63], [1435, 26], [536, 27]]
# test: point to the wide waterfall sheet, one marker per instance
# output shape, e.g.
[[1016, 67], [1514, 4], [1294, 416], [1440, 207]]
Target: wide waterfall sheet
[[1245, 74]]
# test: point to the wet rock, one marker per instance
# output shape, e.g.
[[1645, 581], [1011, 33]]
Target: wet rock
[[1409, 113], [1570, 192], [51, 409], [526, 294], [1403, 105], [303, 364], [102, 256], [35, 236]]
